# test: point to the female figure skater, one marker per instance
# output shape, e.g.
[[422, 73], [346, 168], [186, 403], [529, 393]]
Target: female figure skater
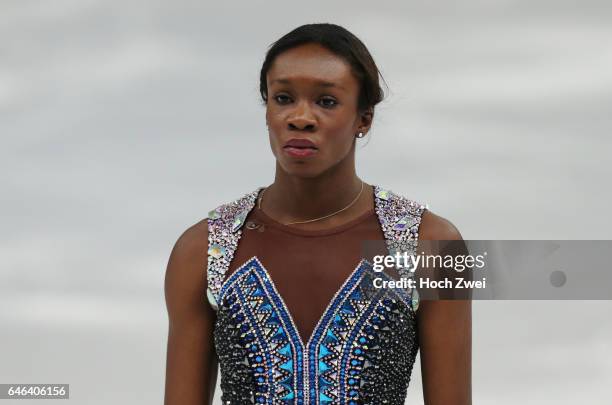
[[275, 288]]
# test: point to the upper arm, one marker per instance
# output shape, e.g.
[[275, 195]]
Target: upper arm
[[445, 334], [191, 365]]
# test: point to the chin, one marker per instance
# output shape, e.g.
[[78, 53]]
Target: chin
[[303, 169]]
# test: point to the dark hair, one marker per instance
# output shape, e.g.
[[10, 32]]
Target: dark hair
[[342, 43]]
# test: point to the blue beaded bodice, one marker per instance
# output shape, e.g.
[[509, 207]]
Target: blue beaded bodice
[[363, 347]]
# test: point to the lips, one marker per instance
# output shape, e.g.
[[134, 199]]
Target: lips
[[300, 143], [300, 148]]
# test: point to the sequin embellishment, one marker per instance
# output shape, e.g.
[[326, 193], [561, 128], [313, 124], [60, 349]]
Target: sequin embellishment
[[362, 349]]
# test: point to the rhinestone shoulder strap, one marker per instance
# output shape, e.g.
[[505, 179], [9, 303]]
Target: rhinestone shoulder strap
[[224, 232], [400, 219]]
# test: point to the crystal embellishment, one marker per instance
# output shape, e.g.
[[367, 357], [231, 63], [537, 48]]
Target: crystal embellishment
[[405, 222], [211, 299], [216, 251], [382, 194], [213, 214], [239, 220], [415, 299]]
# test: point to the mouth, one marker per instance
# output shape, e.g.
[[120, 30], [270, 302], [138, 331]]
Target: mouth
[[300, 148], [300, 151]]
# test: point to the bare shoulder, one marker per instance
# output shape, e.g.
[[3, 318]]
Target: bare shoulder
[[435, 227], [185, 281], [193, 241]]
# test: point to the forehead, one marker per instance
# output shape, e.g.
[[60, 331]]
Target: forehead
[[312, 64]]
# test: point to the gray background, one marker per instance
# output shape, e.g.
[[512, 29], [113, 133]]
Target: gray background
[[124, 122]]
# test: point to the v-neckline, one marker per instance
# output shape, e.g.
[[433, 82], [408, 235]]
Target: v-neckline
[[361, 266]]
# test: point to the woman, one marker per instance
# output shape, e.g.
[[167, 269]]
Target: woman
[[275, 286]]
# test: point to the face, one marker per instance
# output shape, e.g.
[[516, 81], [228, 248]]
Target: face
[[312, 111]]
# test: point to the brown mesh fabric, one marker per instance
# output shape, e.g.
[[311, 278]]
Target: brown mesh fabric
[[307, 267]]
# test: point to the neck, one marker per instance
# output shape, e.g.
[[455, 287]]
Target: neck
[[292, 198]]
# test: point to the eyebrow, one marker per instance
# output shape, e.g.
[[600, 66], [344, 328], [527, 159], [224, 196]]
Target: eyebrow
[[320, 83]]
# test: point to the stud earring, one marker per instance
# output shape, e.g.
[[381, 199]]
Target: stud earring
[[360, 135]]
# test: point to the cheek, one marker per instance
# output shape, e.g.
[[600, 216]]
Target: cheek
[[342, 137], [273, 139], [339, 147]]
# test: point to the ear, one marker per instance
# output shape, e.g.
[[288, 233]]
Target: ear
[[365, 120]]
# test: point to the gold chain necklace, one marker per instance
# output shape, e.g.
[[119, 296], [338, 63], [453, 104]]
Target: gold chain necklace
[[316, 219]]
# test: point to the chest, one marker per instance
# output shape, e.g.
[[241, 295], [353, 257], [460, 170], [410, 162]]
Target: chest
[[364, 336]]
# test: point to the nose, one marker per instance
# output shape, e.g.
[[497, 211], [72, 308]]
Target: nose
[[302, 118]]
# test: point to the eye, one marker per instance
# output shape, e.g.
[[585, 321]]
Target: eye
[[328, 102], [281, 98]]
